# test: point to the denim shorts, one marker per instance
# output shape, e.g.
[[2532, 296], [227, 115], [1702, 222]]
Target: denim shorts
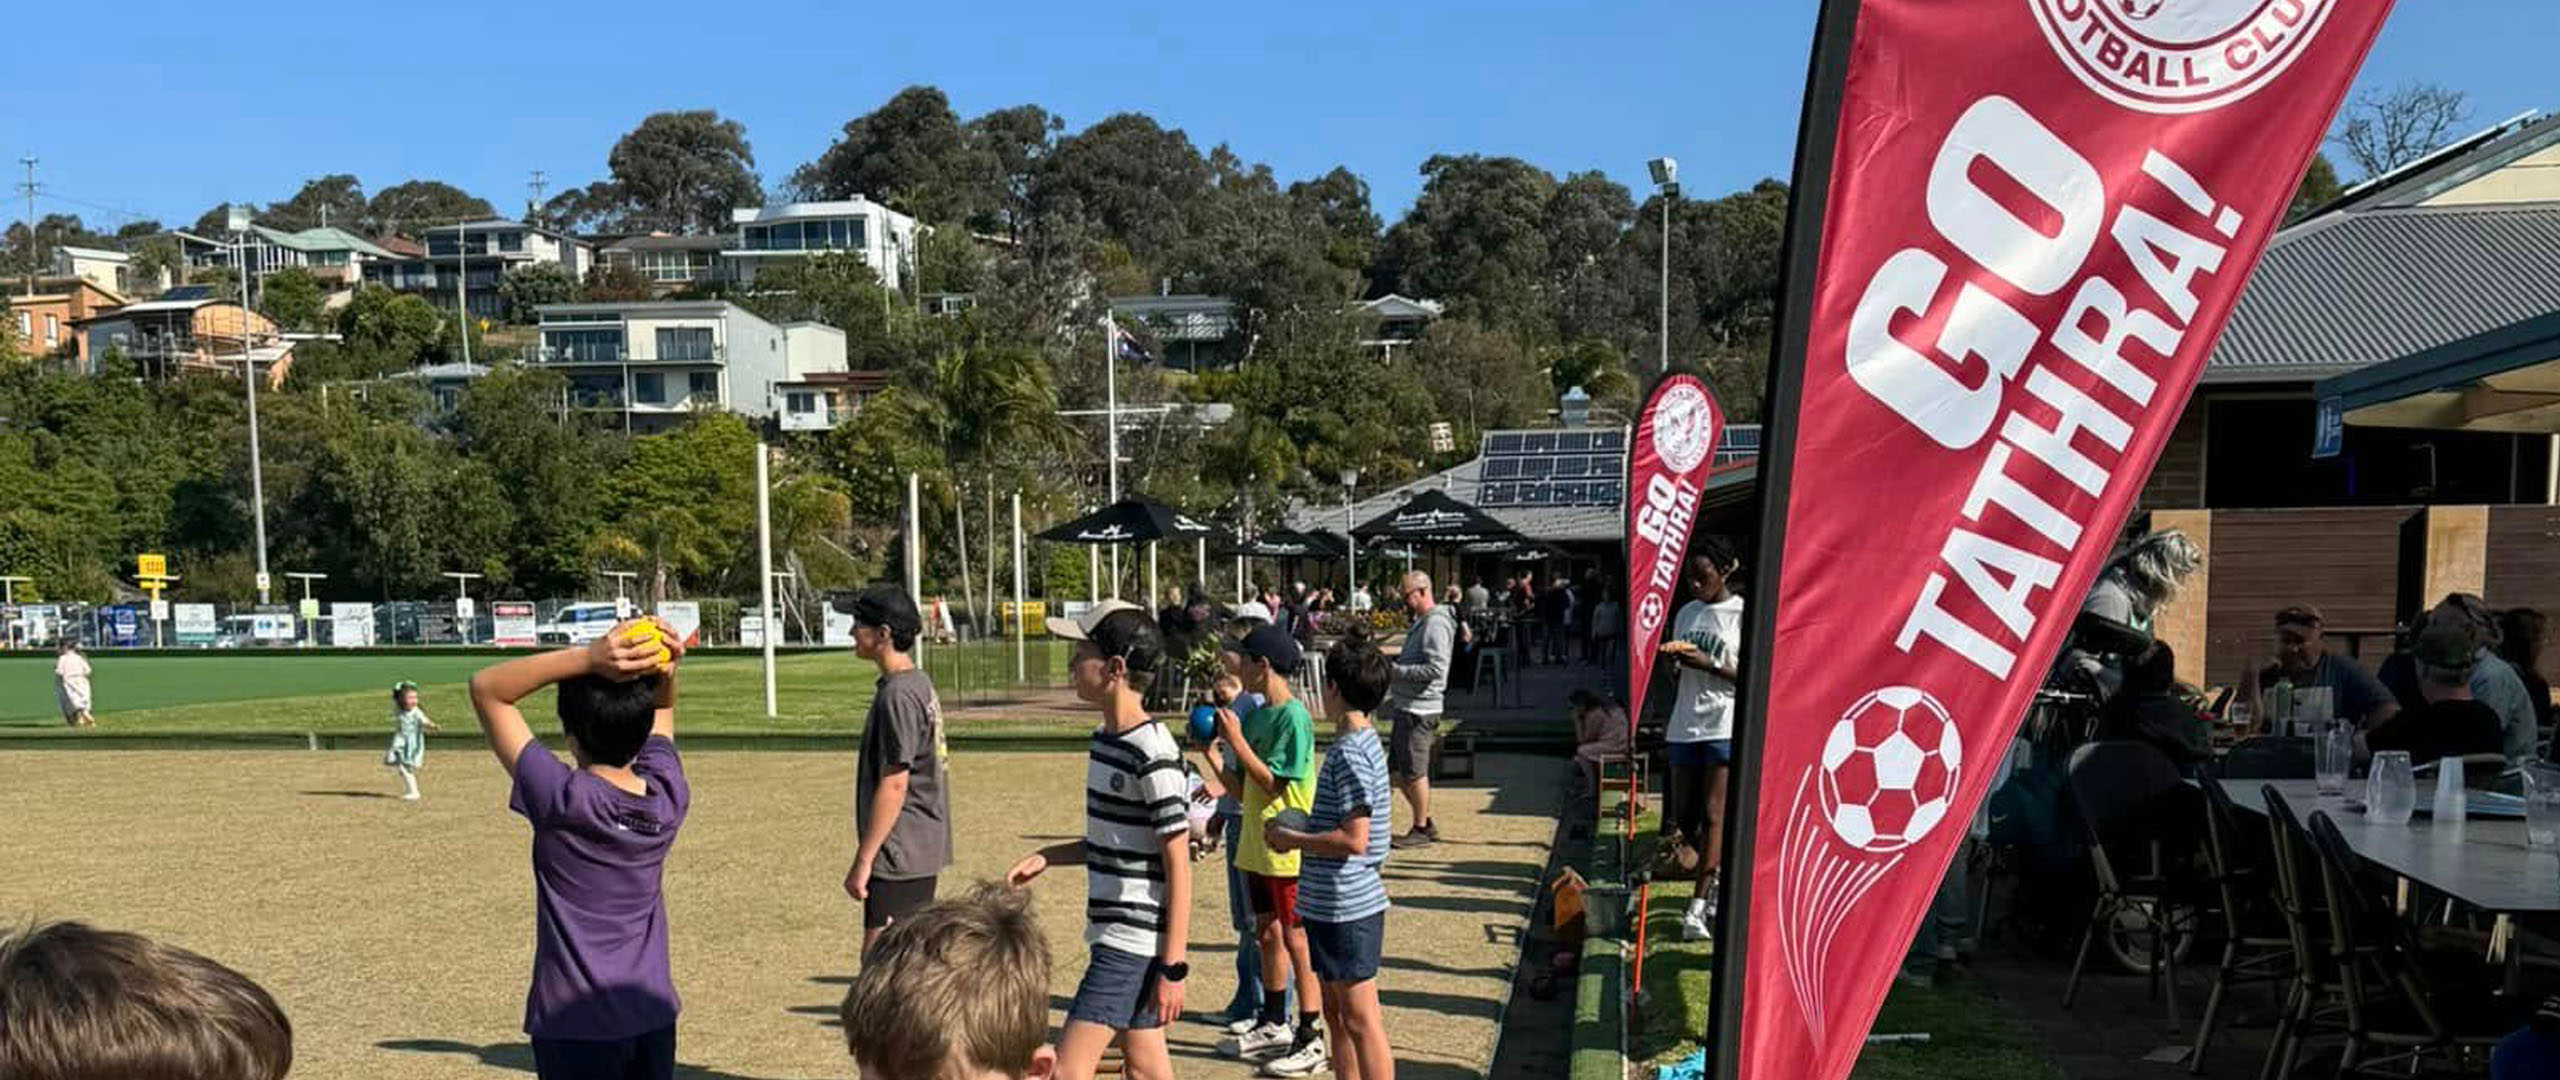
[[1346, 952], [1705, 752], [1118, 991]]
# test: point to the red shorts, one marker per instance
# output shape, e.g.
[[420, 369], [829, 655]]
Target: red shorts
[[1272, 897]]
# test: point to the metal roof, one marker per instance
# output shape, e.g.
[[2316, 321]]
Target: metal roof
[[2346, 290], [670, 243]]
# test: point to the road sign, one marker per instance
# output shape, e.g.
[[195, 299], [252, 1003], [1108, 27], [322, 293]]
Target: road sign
[[148, 567]]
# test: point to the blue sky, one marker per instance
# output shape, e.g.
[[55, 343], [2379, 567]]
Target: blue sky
[[149, 111]]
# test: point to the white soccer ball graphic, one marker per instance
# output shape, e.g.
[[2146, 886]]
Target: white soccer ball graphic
[[1889, 770]]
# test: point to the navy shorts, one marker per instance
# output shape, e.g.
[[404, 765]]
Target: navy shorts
[[640, 1057], [1707, 752], [1346, 952], [1118, 991]]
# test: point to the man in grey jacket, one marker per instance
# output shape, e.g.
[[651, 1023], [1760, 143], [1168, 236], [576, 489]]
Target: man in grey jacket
[[1414, 702]]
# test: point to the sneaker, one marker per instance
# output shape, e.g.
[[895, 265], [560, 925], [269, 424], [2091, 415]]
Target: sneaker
[[1423, 835], [1263, 1042], [1695, 926], [410, 797], [1306, 1060], [1238, 1025]]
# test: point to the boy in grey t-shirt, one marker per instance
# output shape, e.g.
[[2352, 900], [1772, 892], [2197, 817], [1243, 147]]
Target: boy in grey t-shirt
[[901, 797]]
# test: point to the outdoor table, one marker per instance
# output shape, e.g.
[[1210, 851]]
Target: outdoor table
[[2483, 862]]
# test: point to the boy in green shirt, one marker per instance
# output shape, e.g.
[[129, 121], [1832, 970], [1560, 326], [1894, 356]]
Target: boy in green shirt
[[1273, 761]]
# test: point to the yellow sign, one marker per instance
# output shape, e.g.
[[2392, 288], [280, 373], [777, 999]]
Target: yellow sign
[[1033, 612], [151, 566]]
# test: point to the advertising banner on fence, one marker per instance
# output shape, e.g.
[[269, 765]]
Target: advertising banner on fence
[[1667, 466], [39, 621], [685, 618], [351, 625], [272, 624], [197, 624], [511, 624], [839, 628], [751, 629], [2019, 226]]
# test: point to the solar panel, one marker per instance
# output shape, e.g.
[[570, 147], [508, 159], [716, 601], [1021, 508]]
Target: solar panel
[[1500, 495], [1502, 443], [1570, 494], [1502, 469], [188, 292], [1569, 467], [1608, 466], [1607, 493], [1537, 495], [1573, 442], [1538, 442], [1613, 441], [1537, 468]]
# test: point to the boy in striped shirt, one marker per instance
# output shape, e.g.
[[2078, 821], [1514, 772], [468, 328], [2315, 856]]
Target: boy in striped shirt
[[1341, 898], [1135, 852]]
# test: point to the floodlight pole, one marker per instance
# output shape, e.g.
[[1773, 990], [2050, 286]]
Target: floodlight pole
[[1111, 420], [249, 379], [9, 587], [1350, 544], [622, 580]]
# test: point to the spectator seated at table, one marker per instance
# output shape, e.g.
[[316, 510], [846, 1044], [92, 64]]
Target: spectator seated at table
[[2494, 682], [2148, 709], [2448, 722], [1600, 734], [2302, 658]]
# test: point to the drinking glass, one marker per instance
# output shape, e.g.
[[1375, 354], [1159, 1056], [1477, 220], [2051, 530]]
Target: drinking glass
[[2542, 805], [2237, 715], [2391, 789], [2334, 747]]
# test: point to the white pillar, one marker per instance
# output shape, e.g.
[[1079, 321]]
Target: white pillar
[[1021, 662], [1155, 595], [764, 577], [1203, 559], [1093, 575], [915, 552]]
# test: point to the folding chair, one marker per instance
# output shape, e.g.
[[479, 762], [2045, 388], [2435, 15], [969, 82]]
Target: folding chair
[[2115, 784], [2256, 948]]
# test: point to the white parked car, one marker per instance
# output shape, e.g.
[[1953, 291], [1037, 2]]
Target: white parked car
[[577, 624]]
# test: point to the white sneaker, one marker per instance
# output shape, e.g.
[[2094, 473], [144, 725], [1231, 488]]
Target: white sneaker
[[1241, 1025], [1306, 1060], [1264, 1041], [1694, 926], [410, 797]]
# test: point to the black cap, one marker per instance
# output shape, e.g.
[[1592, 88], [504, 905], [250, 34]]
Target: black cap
[[884, 607], [1273, 646], [1129, 635]]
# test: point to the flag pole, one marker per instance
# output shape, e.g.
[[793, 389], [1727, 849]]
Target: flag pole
[[1816, 134]]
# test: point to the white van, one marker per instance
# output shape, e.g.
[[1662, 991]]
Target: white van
[[577, 624]]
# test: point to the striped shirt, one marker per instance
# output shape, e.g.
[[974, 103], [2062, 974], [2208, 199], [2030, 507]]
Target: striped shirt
[[1338, 890], [1133, 798]]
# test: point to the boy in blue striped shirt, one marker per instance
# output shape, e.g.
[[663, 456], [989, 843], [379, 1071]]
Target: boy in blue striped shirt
[[1341, 898]]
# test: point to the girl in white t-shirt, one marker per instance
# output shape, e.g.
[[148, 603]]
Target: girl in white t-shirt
[[1705, 647]]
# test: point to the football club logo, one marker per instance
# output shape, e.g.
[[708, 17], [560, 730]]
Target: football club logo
[[1889, 770], [1681, 427], [2179, 56]]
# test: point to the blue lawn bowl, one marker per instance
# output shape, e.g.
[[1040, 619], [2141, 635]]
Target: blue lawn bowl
[[1204, 723]]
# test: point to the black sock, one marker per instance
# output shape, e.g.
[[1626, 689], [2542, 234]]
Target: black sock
[[1307, 1030], [1275, 1006]]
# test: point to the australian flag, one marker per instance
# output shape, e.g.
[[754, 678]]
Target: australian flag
[[1125, 348]]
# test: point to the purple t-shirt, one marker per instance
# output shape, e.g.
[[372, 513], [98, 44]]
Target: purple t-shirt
[[600, 920]]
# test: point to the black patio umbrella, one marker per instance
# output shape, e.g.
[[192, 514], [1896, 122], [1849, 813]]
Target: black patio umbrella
[[1136, 519], [1433, 519], [1290, 544]]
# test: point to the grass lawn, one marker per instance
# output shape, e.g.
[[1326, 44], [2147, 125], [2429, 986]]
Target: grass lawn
[[1969, 1035], [347, 694]]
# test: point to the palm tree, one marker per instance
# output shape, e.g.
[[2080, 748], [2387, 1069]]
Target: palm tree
[[659, 539], [986, 407]]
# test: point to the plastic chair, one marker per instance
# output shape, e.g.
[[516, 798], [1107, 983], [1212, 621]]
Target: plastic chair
[[2114, 784], [2256, 946], [2396, 1016]]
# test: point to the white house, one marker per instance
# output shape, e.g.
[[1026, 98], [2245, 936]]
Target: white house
[[654, 362], [884, 238]]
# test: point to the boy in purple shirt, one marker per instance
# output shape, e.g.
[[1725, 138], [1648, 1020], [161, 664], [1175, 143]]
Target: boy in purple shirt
[[602, 1005]]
